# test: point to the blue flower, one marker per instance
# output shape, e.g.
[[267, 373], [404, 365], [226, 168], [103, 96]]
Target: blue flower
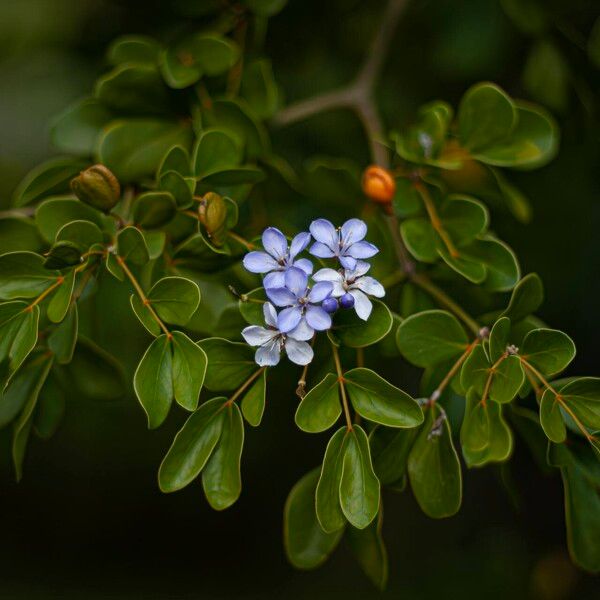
[[271, 342], [355, 283], [303, 314], [278, 258], [346, 243]]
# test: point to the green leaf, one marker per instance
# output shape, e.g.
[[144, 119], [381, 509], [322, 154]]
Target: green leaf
[[321, 407], [350, 330], [84, 234], [379, 401], [582, 397], [144, 315], [133, 149], [499, 338], [17, 234], [155, 241], [434, 469], [421, 239], [238, 176], [138, 49], [200, 54], [77, 128], [359, 486], [253, 403], [177, 159], [548, 350], [580, 472], [175, 299], [153, 381], [51, 177], [22, 426], [18, 335], [369, 549], [153, 209], [131, 246], [23, 275], [551, 418], [221, 477], [486, 115], [251, 306], [50, 409], [133, 89], [94, 373], [192, 446], [307, 546], [216, 150], [526, 298], [431, 337], [62, 255], [390, 449], [327, 496], [189, 370], [53, 214], [175, 184], [532, 144], [259, 88], [229, 363], [64, 337]]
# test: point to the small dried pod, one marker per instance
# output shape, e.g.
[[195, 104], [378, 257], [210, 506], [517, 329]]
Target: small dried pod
[[378, 184], [98, 187], [213, 215]]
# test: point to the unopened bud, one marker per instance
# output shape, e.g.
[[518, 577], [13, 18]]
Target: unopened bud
[[98, 187], [62, 255], [213, 214], [378, 184]]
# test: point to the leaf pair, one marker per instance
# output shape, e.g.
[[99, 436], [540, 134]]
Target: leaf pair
[[210, 442], [173, 367], [371, 396]]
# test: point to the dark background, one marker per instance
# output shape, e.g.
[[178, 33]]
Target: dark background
[[88, 520]]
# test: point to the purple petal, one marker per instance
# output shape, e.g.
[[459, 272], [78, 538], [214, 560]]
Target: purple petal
[[303, 331], [296, 281], [270, 314], [289, 318], [259, 262], [275, 279], [257, 336], [321, 250], [317, 318], [369, 286], [281, 296], [299, 243], [348, 263], [361, 268], [323, 231], [304, 264], [362, 304], [320, 291], [335, 277], [298, 352], [268, 356], [353, 231], [362, 250], [274, 243]]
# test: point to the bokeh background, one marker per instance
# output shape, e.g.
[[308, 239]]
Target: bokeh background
[[88, 520]]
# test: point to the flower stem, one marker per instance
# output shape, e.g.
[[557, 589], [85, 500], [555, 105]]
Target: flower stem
[[238, 238], [244, 386], [340, 374], [59, 281]]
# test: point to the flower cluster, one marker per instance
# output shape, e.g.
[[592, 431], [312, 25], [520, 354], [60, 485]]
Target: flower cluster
[[305, 300]]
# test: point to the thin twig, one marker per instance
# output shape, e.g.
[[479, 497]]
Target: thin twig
[[340, 374]]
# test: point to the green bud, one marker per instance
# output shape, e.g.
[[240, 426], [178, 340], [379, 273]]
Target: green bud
[[98, 187], [62, 255], [213, 214]]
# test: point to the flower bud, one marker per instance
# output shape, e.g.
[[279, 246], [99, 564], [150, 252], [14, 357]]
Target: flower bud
[[347, 300], [98, 187], [62, 255], [378, 184], [213, 214]]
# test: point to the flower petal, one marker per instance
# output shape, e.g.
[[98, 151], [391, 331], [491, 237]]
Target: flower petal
[[275, 279], [362, 267], [370, 286], [321, 250], [275, 243], [299, 243], [289, 318], [303, 331], [335, 277], [270, 314], [268, 356], [317, 318], [298, 352], [362, 250], [281, 296], [320, 291], [304, 264], [348, 262], [362, 304], [323, 231], [259, 262], [352, 231], [296, 281], [257, 336]]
